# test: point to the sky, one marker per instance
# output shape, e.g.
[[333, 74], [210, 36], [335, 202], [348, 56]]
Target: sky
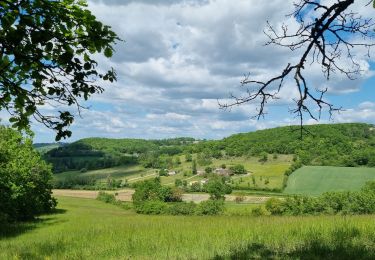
[[179, 58]]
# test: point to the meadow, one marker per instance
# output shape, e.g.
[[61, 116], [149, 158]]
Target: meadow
[[267, 174], [90, 229], [315, 180]]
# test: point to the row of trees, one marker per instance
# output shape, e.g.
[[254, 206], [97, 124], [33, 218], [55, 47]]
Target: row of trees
[[359, 202]]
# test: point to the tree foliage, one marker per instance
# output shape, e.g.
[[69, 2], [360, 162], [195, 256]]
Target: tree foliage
[[25, 189], [217, 188], [359, 202], [46, 57], [328, 144]]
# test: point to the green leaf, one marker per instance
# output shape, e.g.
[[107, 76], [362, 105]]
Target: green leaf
[[108, 52]]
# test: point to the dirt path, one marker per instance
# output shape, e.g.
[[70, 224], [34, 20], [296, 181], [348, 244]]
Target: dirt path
[[126, 195]]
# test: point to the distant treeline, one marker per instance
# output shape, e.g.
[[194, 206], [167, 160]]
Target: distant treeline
[[97, 153], [328, 144]]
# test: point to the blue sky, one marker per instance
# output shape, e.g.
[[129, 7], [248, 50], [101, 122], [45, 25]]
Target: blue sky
[[180, 57]]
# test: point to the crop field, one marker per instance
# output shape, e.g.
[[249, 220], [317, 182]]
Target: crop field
[[314, 180], [90, 229]]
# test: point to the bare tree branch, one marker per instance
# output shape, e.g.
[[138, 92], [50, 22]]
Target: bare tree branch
[[325, 40]]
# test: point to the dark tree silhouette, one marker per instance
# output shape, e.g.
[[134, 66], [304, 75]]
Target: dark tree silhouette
[[331, 35]]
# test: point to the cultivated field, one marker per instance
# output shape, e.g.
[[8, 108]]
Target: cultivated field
[[90, 229], [314, 180], [126, 195]]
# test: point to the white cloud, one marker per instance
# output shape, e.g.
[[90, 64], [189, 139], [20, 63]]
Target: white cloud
[[180, 57]]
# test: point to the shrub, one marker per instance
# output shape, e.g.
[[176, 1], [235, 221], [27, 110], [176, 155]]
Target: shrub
[[275, 206], [217, 188], [210, 207], [208, 169], [195, 187], [239, 199], [182, 208], [163, 172], [259, 211], [360, 202], [238, 169], [106, 197], [151, 207], [263, 157], [152, 190], [178, 183]]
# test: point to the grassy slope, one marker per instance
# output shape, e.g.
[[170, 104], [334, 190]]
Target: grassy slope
[[272, 170], [89, 229], [314, 180]]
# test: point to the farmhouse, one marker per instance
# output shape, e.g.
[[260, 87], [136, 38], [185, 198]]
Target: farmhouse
[[172, 173], [193, 182], [200, 172], [223, 172], [204, 181]]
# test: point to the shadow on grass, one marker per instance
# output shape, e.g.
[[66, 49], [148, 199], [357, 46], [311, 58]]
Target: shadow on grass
[[344, 244], [18, 228]]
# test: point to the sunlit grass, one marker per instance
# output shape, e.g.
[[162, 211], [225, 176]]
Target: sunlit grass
[[90, 229]]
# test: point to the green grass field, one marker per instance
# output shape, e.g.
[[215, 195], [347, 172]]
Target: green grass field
[[314, 180], [90, 229]]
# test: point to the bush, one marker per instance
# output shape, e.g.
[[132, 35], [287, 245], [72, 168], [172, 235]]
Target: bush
[[361, 202], [195, 187], [106, 197], [238, 169], [183, 208], [210, 207], [217, 188], [239, 199], [163, 172], [259, 211], [275, 206], [152, 190], [208, 169], [155, 207], [25, 189]]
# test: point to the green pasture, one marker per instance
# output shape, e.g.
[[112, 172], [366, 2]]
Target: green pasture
[[90, 229], [315, 180]]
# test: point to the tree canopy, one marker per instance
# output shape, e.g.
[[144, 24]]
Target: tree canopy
[[25, 189], [46, 58]]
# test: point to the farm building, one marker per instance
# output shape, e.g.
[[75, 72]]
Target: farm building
[[223, 172], [172, 173], [200, 172], [204, 181]]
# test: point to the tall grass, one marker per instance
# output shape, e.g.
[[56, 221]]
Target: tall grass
[[90, 229]]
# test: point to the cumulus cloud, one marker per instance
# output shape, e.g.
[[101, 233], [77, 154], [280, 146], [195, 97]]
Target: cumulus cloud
[[180, 57]]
